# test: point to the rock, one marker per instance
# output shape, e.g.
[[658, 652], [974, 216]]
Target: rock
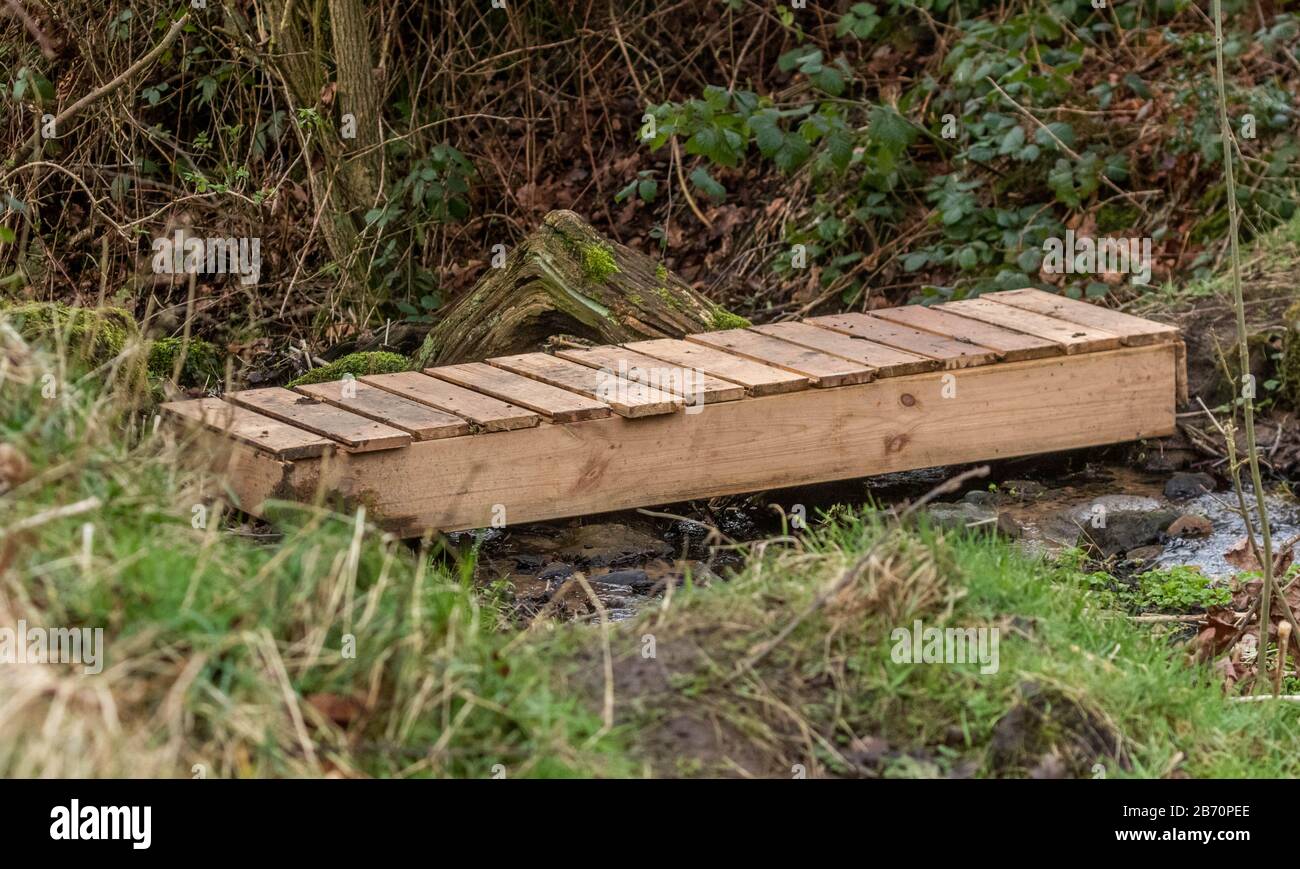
[[636, 579], [980, 498], [1023, 490], [1113, 524], [1190, 525], [555, 571], [529, 562], [1182, 486], [609, 544], [1145, 554], [961, 515]]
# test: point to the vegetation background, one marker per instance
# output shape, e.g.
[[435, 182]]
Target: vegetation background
[[917, 150]]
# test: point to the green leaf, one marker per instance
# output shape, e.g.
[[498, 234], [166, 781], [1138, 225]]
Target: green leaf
[[914, 261], [1062, 130], [7, 235], [891, 129], [1029, 260], [705, 183]]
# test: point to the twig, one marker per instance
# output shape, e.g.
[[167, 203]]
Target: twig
[[1243, 347], [83, 506], [150, 57]]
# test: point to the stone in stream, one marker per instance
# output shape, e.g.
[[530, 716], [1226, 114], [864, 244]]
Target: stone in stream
[[1023, 490], [1182, 486], [960, 515], [1113, 524], [555, 571], [1190, 525], [608, 544], [637, 580]]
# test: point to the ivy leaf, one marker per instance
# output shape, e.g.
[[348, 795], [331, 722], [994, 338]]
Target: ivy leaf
[[1062, 131], [914, 261], [1029, 260], [1061, 180], [705, 183]]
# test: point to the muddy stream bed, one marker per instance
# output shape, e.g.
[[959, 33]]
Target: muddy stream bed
[[1136, 515]]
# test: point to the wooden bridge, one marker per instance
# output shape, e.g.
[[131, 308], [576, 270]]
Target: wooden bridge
[[536, 436]]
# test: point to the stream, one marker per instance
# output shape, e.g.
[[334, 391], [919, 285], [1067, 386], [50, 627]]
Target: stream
[[1120, 512]]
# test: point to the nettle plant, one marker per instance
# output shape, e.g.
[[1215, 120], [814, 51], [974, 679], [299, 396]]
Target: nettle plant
[[976, 180]]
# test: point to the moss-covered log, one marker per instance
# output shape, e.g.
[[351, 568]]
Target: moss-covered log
[[565, 278]]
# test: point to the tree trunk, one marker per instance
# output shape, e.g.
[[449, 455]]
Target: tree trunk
[[565, 278], [346, 186]]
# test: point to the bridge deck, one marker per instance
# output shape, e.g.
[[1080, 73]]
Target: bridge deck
[[534, 436]]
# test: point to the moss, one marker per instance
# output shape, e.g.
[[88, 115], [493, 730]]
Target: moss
[[724, 319], [670, 298], [598, 261], [356, 364], [94, 335], [661, 273], [202, 367], [1290, 368]]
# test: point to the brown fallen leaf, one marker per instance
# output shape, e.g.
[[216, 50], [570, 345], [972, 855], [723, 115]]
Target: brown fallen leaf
[[1242, 556], [337, 708], [1190, 525], [14, 467]]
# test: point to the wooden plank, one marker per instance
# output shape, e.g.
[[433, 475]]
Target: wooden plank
[[560, 405], [822, 369], [419, 421], [887, 361], [891, 424], [355, 432], [690, 383], [626, 397], [245, 426], [948, 352], [1132, 331], [1010, 346], [1074, 338], [757, 378], [483, 411]]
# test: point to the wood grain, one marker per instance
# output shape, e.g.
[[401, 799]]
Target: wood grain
[[687, 382], [275, 437], [757, 378], [948, 352], [560, 405], [1010, 346], [1074, 338], [1132, 331], [887, 361], [418, 420], [353, 431], [822, 369], [626, 397], [483, 411]]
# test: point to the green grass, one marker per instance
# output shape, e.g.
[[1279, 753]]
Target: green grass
[[1076, 680], [220, 647]]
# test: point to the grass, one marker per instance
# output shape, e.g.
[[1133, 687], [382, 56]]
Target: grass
[[1081, 690], [331, 649], [323, 647]]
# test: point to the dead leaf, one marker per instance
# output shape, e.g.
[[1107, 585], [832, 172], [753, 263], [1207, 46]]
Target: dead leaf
[[337, 708], [14, 467], [1241, 556]]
